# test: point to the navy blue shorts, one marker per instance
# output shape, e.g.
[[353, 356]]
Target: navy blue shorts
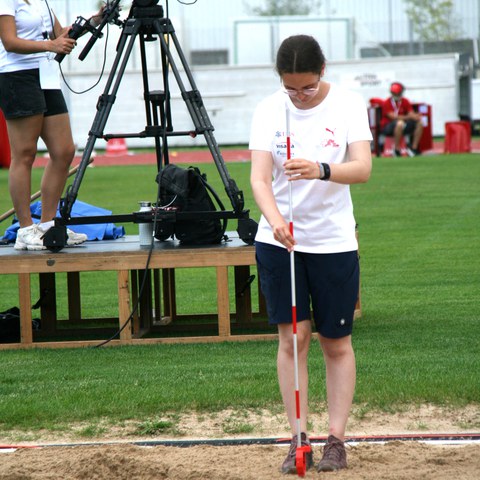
[[22, 96], [327, 284]]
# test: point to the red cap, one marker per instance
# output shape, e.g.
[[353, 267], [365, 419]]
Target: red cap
[[396, 88]]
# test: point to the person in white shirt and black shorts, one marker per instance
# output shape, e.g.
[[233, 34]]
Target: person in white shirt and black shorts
[[330, 149], [34, 107]]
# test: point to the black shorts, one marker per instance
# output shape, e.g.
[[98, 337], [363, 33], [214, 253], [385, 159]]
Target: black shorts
[[22, 96], [327, 284], [407, 130]]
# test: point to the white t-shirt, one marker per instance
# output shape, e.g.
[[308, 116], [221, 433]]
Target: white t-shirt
[[323, 218], [33, 22]]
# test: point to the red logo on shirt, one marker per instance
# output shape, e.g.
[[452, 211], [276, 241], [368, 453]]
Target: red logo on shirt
[[330, 140]]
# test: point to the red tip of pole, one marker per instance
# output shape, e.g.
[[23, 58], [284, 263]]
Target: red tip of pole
[[300, 459]]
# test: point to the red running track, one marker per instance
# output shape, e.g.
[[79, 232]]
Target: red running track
[[200, 156]]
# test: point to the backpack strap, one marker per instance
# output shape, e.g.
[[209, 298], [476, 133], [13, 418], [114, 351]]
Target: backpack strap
[[215, 195]]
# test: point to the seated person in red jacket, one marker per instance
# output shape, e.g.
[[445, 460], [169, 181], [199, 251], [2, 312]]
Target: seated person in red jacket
[[399, 119]]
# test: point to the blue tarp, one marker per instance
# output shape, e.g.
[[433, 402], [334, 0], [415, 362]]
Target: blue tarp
[[101, 231]]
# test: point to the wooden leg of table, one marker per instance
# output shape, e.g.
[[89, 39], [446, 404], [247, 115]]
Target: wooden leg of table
[[48, 306], [243, 295], [169, 295], [157, 297], [223, 302], [25, 298], [74, 302], [145, 299], [136, 318], [124, 305]]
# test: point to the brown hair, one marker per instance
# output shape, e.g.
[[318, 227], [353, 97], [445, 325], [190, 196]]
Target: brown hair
[[300, 54]]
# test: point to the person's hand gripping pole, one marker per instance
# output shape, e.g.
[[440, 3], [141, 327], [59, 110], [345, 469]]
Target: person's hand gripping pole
[[300, 457]]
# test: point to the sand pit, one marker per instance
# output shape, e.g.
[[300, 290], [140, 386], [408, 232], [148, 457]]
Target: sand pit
[[123, 458]]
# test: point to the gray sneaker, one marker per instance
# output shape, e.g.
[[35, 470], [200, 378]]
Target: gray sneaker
[[29, 238], [289, 465], [334, 456]]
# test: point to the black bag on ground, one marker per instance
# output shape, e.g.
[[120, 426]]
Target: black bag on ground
[[10, 325], [187, 190]]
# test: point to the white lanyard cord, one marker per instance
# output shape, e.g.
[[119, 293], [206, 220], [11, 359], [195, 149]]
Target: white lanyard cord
[[396, 107]]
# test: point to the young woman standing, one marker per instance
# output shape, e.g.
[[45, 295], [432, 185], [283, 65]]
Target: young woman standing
[[330, 149], [34, 107]]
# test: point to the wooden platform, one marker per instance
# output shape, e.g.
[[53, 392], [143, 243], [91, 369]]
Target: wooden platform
[[129, 260]]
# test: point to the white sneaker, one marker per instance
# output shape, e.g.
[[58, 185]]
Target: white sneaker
[[30, 238], [413, 152], [75, 238], [72, 237]]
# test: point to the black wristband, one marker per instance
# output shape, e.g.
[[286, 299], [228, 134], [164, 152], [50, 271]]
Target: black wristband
[[326, 169]]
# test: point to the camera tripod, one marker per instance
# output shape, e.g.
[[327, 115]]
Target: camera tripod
[[146, 23]]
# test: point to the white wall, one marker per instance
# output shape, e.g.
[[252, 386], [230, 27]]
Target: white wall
[[476, 99], [231, 93]]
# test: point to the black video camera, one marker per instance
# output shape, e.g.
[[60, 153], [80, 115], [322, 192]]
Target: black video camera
[[80, 26]]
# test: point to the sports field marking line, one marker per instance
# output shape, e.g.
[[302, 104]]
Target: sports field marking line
[[430, 439]]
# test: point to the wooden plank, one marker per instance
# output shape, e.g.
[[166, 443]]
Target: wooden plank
[[145, 341], [125, 255]]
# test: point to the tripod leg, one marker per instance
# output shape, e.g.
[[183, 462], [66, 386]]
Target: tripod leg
[[149, 22], [157, 110], [198, 113], [104, 107]]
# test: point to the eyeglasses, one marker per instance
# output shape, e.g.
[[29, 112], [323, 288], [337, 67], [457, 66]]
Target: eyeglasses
[[291, 92]]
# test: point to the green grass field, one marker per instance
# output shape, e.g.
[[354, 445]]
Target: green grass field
[[416, 342]]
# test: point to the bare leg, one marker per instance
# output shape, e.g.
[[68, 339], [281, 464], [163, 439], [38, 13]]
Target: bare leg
[[57, 135], [286, 372], [341, 376], [23, 134], [398, 133], [417, 135]]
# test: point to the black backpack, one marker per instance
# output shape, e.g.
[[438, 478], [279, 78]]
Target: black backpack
[[187, 190], [10, 324]]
